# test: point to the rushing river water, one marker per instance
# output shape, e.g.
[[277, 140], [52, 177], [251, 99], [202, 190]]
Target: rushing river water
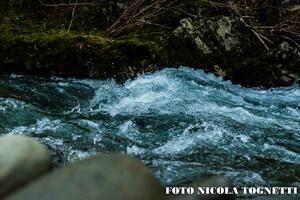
[[182, 123]]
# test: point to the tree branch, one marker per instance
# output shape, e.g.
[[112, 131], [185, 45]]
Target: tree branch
[[69, 4]]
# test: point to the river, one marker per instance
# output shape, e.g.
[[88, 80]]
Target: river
[[182, 123]]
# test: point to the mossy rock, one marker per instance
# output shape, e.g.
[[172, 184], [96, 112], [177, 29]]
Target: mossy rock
[[72, 54], [199, 34]]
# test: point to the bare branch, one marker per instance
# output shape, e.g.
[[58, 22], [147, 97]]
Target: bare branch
[[73, 16], [69, 4], [137, 14]]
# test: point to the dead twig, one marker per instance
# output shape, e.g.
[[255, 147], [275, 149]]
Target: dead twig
[[138, 13], [69, 4], [260, 39], [73, 16], [258, 35]]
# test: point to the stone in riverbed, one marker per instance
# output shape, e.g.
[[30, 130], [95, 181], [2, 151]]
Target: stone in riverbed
[[21, 160], [105, 177]]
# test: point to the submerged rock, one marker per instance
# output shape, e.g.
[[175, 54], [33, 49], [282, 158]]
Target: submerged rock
[[21, 160], [104, 177]]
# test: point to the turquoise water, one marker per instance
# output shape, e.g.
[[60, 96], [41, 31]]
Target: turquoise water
[[181, 122]]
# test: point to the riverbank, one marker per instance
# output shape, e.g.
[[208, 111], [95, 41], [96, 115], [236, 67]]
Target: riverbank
[[98, 41]]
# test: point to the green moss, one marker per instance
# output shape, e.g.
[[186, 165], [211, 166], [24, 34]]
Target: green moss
[[57, 52], [29, 36], [34, 40]]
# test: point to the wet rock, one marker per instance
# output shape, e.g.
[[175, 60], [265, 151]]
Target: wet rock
[[287, 80], [277, 67], [189, 31], [107, 176], [219, 40], [21, 160]]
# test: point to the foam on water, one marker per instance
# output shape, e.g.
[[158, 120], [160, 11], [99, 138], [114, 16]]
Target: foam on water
[[182, 123]]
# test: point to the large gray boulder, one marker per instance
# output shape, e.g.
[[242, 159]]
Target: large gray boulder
[[21, 160], [105, 177]]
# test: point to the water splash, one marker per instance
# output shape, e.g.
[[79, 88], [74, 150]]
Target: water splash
[[182, 123]]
